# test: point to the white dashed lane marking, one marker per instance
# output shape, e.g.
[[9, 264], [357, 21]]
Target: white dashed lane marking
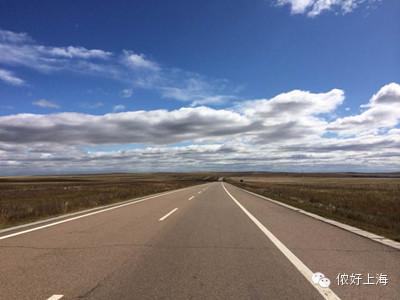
[[168, 214], [55, 297]]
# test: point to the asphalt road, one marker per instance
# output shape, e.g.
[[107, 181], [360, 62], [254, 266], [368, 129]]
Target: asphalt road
[[202, 242]]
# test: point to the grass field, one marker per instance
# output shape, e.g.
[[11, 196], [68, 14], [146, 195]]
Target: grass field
[[370, 202], [24, 199]]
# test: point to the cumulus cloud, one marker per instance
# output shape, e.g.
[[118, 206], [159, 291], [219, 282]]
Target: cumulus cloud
[[286, 132], [293, 129], [286, 117], [45, 103], [313, 8], [296, 114], [10, 78], [153, 127], [382, 113], [296, 102]]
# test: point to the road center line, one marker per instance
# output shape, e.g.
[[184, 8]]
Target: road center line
[[191, 198], [327, 293], [55, 297], [168, 214]]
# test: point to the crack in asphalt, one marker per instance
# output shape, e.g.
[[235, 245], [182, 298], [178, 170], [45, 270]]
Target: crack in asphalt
[[90, 291]]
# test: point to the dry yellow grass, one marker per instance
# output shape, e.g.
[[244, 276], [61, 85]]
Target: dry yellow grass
[[25, 199], [371, 203]]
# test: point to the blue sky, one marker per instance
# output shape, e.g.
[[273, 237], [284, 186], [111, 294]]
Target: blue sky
[[208, 57]]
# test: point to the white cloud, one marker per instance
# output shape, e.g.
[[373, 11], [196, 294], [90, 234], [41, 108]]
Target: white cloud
[[119, 107], [10, 78], [212, 100], [382, 113], [126, 93], [139, 61], [20, 50], [315, 7], [293, 116], [45, 103], [296, 114], [14, 37], [296, 102], [154, 127], [197, 90], [285, 132], [297, 6], [74, 52]]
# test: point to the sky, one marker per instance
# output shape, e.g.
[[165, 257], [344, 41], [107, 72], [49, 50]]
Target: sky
[[244, 85]]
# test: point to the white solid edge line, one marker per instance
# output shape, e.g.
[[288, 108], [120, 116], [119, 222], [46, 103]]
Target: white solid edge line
[[191, 198], [83, 216], [55, 297], [327, 293], [168, 214], [366, 234]]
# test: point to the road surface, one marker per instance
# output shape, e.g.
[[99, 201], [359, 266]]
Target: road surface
[[212, 241]]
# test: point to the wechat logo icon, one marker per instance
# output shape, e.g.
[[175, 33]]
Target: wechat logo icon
[[320, 279]]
